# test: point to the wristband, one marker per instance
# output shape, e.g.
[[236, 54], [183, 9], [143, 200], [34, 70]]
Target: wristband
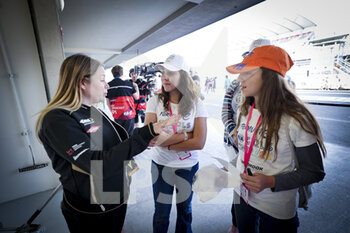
[[186, 135], [151, 130], [231, 133]]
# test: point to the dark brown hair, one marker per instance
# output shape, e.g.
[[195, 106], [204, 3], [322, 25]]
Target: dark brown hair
[[277, 98], [117, 71], [189, 94]]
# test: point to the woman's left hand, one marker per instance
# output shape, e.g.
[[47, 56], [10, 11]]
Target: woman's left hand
[[258, 182]]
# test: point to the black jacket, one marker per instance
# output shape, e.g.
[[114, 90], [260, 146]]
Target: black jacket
[[72, 140]]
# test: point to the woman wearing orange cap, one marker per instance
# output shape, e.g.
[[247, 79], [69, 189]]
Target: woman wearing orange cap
[[273, 126]]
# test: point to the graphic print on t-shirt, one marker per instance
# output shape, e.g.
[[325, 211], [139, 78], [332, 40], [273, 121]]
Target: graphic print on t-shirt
[[257, 158], [282, 204], [167, 157]]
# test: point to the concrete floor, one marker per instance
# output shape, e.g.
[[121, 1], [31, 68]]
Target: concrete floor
[[328, 209]]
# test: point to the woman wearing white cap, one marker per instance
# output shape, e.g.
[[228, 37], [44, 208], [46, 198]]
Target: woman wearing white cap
[[175, 159], [275, 131]]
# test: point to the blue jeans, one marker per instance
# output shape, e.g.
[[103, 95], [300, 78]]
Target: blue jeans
[[164, 180], [251, 220]]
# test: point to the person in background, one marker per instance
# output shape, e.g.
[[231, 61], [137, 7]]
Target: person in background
[[214, 84], [290, 82], [195, 77], [120, 99], [140, 103], [197, 81], [74, 133], [207, 81], [273, 124], [227, 82], [175, 160]]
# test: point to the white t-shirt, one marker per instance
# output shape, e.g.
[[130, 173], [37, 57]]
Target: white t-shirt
[[281, 205], [171, 158]]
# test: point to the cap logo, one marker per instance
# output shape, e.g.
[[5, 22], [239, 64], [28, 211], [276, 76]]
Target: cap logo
[[239, 66], [250, 54], [169, 59]]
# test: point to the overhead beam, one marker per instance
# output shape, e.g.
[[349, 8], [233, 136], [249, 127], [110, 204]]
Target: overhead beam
[[161, 24], [283, 26], [195, 1], [267, 29], [293, 22], [93, 51], [313, 24], [168, 19], [199, 16]]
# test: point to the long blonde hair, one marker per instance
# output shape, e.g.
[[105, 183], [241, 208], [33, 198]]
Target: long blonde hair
[[73, 71], [189, 94], [276, 99]]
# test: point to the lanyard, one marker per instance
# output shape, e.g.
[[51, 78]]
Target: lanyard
[[247, 152], [181, 154], [171, 114]]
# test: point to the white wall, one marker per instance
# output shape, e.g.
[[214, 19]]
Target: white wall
[[17, 31]]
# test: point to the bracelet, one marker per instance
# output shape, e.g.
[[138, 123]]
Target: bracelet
[[186, 135], [169, 147]]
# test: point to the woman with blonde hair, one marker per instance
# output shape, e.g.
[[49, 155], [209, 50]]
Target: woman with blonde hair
[[76, 136], [273, 126], [175, 159]]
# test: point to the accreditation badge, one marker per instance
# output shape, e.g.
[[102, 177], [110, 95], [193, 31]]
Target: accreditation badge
[[244, 192], [182, 155]]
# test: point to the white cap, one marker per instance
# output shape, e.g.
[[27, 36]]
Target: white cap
[[174, 62], [257, 43]]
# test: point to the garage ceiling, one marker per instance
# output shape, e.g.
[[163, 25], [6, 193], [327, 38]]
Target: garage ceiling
[[114, 31]]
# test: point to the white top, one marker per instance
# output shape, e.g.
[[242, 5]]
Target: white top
[[281, 205], [170, 158]]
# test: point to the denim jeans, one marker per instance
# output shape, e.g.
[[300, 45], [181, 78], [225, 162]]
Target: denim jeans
[[164, 180], [251, 220]]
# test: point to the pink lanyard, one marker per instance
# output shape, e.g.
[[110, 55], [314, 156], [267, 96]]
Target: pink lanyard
[[171, 114], [247, 152]]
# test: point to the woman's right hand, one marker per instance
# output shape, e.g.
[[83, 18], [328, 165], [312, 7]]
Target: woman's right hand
[[234, 135]]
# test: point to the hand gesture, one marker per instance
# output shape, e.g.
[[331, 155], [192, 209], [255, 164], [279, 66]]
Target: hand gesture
[[153, 142], [258, 182], [158, 127]]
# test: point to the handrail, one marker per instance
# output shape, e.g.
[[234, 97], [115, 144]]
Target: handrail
[[345, 65]]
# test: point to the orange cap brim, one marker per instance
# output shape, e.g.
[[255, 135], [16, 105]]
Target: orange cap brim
[[240, 68]]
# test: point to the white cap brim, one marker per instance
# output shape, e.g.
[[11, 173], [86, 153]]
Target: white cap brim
[[167, 66]]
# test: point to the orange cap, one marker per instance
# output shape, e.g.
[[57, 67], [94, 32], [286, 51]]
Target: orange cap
[[269, 56]]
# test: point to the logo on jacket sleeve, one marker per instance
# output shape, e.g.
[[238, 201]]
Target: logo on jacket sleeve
[[93, 129], [87, 121], [74, 148]]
